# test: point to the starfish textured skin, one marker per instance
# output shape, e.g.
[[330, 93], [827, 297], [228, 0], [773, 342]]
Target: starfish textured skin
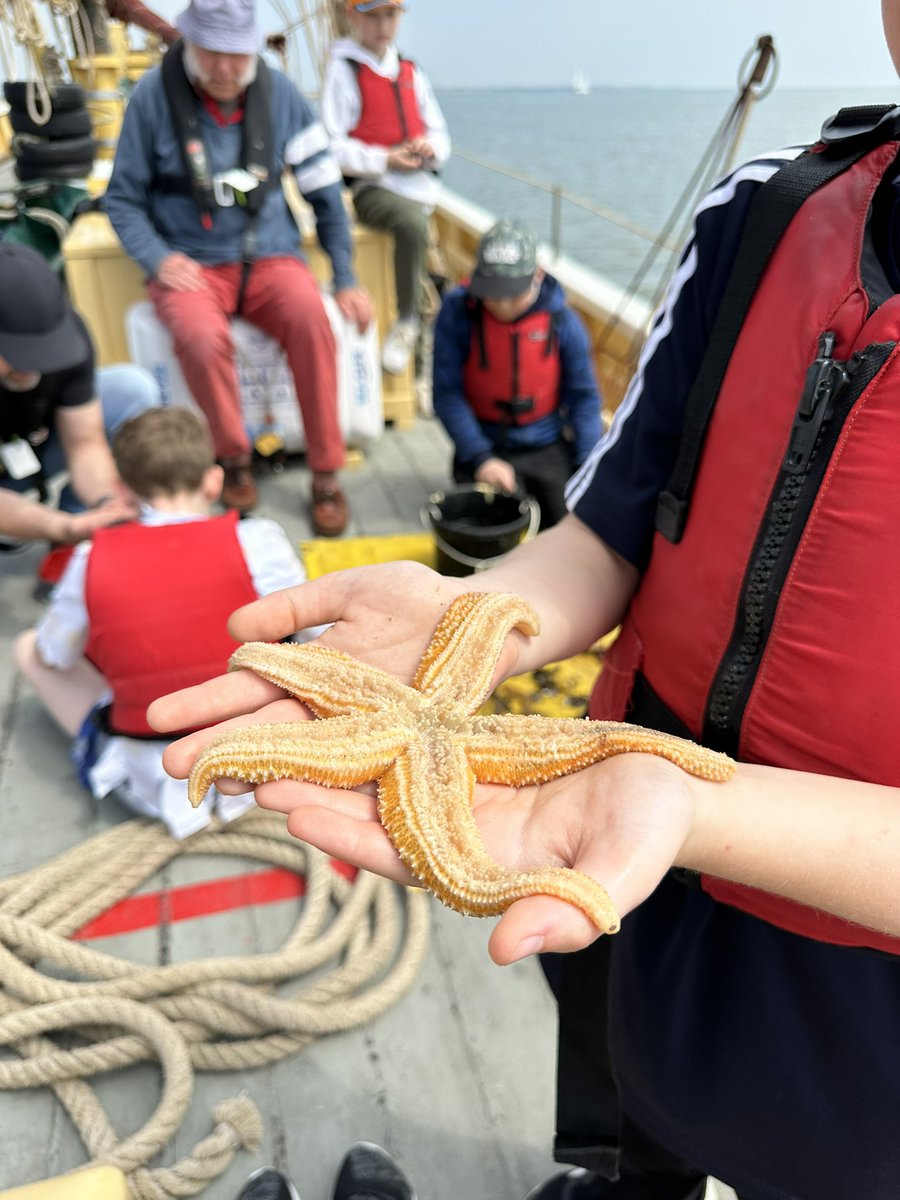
[[426, 749]]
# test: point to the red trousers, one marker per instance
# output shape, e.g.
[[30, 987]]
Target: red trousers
[[282, 298]]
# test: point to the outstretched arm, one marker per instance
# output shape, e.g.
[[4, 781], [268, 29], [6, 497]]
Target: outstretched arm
[[832, 844]]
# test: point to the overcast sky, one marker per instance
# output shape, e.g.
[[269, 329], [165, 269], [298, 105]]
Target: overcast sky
[[663, 43], [667, 43]]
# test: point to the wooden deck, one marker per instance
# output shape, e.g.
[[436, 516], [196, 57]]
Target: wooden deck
[[456, 1080]]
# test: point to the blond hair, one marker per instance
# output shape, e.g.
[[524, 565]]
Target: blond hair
[[163, 451]]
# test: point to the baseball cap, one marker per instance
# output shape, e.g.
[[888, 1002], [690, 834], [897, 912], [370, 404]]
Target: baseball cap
[[39, 330], [227, 26], [365, 6], [506, 263]]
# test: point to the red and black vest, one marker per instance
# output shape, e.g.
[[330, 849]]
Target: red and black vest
[[771, 629], [389, 111], [158, 598], [512, 373]]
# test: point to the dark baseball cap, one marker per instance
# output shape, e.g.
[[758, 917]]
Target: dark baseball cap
[[39, 330], [507, 261]]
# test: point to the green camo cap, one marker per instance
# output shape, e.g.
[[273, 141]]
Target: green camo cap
[[507, 261]]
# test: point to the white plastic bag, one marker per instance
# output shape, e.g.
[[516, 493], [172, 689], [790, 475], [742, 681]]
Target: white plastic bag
[[267, 388]]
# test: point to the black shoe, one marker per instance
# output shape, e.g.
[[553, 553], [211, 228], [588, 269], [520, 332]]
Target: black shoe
[[268, 1184], [369, 1173], [576, 1184]]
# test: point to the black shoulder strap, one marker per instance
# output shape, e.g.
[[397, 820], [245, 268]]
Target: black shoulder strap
[[553, 334], [476, 313], [256, 147], [186, 117], [846, 138]]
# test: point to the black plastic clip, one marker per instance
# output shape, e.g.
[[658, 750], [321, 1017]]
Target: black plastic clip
[[866, 125], [825, 377], [671, 516]]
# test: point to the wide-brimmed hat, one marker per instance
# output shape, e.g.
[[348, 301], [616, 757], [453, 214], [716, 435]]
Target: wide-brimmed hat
[[506, 263], [228, 26], [39, 330]]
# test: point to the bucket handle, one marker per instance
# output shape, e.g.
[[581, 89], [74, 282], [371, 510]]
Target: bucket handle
[[481, 564]]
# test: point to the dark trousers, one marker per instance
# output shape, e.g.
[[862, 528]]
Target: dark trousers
[[542, 472], [591, 1130]]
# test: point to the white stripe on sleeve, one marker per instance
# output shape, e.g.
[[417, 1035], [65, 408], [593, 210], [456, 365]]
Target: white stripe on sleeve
[[321, 173], [661, 326], [303, 145]]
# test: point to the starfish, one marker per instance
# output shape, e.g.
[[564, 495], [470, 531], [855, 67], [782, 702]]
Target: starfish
[[426, 748]]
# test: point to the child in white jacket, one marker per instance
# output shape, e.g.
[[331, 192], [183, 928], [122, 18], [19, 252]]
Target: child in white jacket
[[390, 138]]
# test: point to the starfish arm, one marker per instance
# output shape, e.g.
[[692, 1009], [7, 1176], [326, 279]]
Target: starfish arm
[[458, 666], [424, 802], [522, 750], [340, 752], [332, 683]]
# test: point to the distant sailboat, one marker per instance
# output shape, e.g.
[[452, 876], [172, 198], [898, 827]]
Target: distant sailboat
[[581, 85]]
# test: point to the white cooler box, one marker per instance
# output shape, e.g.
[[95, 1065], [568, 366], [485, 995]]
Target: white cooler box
[[267, 388]]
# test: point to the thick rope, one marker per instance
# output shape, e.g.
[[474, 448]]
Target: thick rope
[[213, 1014]]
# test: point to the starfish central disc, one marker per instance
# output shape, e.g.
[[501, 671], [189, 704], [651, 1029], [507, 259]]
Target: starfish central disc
[[426, 748]]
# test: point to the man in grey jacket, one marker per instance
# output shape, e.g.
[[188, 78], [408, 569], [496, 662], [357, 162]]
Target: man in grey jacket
[[195, 198]]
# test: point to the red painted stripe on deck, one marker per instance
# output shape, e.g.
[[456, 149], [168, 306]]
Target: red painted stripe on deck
[[199, 900]]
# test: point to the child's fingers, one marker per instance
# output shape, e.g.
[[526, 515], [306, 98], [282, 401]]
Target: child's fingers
[[363, 843], [218, 699], [179, 757]]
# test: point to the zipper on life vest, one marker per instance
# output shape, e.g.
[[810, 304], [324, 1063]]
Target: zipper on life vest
[[830, 391], [401, 112]]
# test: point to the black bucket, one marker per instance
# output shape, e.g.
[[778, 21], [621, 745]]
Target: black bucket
[[475, 524]]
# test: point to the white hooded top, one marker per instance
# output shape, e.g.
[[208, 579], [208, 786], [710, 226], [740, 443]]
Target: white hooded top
[[341, 108]]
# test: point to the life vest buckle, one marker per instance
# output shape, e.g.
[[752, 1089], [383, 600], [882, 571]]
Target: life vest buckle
[[516, 407], [825, 377], [867, 124]]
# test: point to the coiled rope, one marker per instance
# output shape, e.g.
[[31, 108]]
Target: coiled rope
[[213, 1014]]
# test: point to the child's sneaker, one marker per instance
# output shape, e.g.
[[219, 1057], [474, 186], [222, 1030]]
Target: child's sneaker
[[399, 345], [369, 1173]]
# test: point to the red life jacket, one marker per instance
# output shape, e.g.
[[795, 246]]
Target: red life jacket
[[158, 598], [512, 373], [389, 111], [773, 627]]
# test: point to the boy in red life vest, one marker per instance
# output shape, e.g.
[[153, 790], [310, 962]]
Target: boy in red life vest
[[145, 605], [390, 139], [514, 382]]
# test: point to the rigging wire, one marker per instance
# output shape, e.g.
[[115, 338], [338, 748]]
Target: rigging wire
[[756, 78]]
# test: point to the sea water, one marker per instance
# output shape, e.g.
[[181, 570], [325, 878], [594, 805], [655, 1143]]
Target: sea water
[[630, 150]]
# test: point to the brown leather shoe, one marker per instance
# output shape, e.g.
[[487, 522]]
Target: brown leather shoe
[[239, 488], [329, 509]]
